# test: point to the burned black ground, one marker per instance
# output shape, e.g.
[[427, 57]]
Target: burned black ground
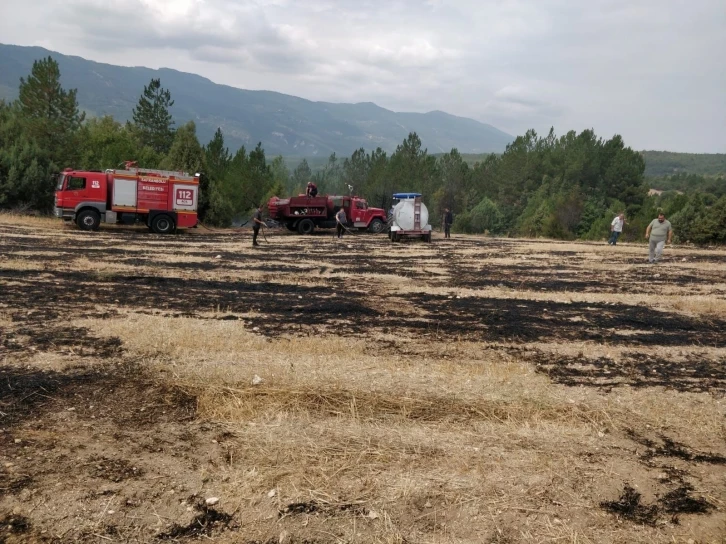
[[630, 507], [668, 447], [318, 508], [677, 495], [326, 300], [667, 508], [571, 279], [694, 372], [207, 522], [13, 524], [287, 307]]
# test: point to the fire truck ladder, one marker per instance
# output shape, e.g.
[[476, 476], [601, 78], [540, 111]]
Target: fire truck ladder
[[417, 213], [136, 171]]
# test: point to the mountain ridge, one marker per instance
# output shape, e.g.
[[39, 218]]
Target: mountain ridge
[[285, 124]]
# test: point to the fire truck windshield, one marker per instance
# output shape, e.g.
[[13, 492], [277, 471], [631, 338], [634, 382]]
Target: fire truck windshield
[[61, 178]]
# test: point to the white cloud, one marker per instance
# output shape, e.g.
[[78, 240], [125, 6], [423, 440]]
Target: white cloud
[[651, 70]]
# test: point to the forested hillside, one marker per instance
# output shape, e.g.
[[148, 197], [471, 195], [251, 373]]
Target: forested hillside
[[566, 187], [660, 163], [284, 124], [664, 163]]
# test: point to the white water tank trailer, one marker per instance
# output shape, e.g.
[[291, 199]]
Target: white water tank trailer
[[410, 218]]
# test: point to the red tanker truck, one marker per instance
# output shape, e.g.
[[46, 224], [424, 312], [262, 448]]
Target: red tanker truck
[[163, 200], [304, 213]]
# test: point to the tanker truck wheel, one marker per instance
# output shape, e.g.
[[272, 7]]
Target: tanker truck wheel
[[306, 226], [88, 220], [376, 226], [162, 224]]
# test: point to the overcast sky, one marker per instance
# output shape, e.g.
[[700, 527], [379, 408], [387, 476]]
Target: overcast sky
[[653, 71]]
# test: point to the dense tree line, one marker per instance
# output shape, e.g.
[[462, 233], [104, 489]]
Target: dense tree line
[[565, 187], [690, 183], [665, 163]]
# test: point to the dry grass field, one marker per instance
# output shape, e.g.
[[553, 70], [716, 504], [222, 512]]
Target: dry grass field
[[318, 391]]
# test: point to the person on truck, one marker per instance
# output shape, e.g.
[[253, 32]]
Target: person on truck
[[340, 220], [257, 222], [312, 190]]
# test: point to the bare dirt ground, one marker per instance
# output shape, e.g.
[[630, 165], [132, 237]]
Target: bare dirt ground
[[319, 391]]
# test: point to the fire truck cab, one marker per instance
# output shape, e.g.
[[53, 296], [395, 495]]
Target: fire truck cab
[[163, 200]]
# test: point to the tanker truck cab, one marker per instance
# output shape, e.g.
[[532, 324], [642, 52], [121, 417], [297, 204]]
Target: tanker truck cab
[[81, 197], [410, 218], [363, 217]]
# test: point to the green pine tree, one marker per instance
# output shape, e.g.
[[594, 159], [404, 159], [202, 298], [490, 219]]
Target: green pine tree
[[50, 112], [300, 177], [152, 121]]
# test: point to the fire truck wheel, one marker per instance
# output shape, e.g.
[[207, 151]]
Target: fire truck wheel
[[162, 224], [376, 226], [88, 220], [306, 226]]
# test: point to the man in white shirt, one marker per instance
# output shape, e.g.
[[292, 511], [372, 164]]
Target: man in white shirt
[[616, 228], [340, 220]]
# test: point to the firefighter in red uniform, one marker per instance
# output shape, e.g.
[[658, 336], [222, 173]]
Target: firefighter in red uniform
[[312, 190]]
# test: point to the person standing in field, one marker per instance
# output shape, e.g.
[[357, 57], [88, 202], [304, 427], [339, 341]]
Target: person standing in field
[[659, 232], [340, 220], [257, 222], [616, 228], [448, 220]]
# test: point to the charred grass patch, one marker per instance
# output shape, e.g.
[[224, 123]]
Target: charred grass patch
[[667, 508], [327, 509], [525, 320], [28, 393], [678, 495], [114, 470], [13, 524], [669, 447], [207, 522], [11, 484], [695, 372], [76, 341], [629, 506], [557, 278], [188, 296]]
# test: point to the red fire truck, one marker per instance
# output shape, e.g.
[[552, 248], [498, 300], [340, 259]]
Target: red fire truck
[[304, 213], [163, 200]]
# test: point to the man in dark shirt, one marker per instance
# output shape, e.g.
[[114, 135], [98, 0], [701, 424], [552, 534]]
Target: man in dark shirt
[[448, 220], [312, 190], [257, 222]]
